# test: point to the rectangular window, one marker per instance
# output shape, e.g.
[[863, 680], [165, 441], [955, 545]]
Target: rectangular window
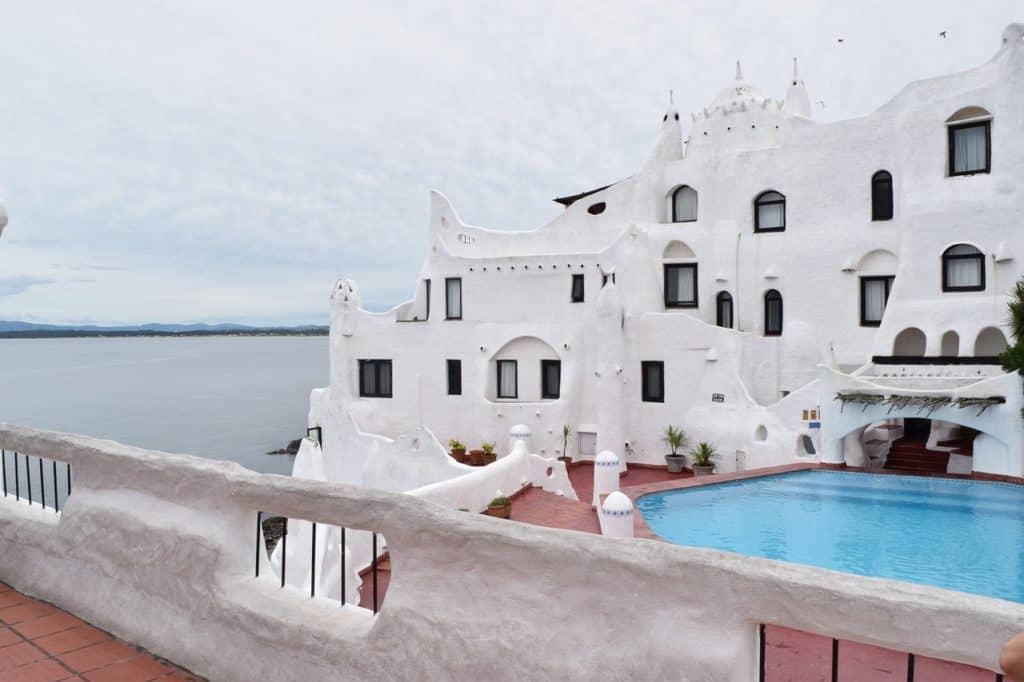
[[454, 377], [652, 380], [427, 293], [508, 379], [375, 378], [874, 294], [577, 288], [550, 379], [680, 285], [970, 148], [453, 298]]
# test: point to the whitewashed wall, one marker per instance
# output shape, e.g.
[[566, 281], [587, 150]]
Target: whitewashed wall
[[146, 532]]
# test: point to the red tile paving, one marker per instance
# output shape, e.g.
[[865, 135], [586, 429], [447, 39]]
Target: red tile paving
[[41, 643]]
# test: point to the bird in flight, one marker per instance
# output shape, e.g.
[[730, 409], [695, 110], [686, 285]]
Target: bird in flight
[[942, 34], [822, 103], [841, 39]]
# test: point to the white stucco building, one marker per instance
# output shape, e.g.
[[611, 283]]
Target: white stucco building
[[758, 263]]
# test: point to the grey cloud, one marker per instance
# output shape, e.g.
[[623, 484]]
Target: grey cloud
[[10, 286]]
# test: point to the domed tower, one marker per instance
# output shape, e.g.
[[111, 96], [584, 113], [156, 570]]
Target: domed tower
[[669, 146], [798, 102], [739, 94]]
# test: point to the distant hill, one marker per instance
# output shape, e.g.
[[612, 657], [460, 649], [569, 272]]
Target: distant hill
[[12, 329]]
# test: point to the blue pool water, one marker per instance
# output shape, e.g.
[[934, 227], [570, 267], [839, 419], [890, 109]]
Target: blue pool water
[[959, 534]]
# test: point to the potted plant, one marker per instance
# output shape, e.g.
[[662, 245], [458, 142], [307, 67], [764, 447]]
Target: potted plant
[[703, 455], [458, 450], [566, 432], [500, 507], [490, 455], [475, 458], [675, 439]]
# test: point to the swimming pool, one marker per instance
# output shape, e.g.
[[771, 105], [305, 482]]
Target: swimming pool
[[959, 534]]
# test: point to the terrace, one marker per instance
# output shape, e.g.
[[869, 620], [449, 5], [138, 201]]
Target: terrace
[[144, 532]]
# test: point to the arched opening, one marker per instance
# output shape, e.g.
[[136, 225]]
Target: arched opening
[[761, 433], [881, 196], [524, 369], [950, 344], [770, 212], [970, 141], [963, 268], [910, 342], [684, 205], [990, 343], [723, 309], [772, 313], [679, 276]]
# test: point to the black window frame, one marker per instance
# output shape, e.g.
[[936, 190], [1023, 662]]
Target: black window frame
[[497, 386], [447, 301], [946, 258], [720, 298], [951, 132], [759, 201], [773, 295], [427, 280], [544, 392], [454, 370], [377, 365], [605, 278], [696, 293], [881, 191], [888, 279], [578, 291], [675, 216], [645, 392]]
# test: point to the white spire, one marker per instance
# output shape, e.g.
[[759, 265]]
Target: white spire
[[796, 74], [739, 71]]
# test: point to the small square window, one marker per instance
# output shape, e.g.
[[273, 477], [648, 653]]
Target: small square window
[[454, 377], [681, 285], [551, 379], [375, 378], [652, 380]]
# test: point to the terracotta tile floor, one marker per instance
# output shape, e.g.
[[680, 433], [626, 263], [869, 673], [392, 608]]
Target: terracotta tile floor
[[41, 643]]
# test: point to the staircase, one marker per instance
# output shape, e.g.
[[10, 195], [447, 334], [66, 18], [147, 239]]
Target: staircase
[[914, 457]]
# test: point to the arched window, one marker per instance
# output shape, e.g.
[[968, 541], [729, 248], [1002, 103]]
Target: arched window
[[723, 309], [881, 196], [772, 313], [970, 141], [684, 205], [963, 269], [769, 212]]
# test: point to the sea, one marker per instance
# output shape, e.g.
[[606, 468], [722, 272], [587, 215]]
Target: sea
[[223, 397]]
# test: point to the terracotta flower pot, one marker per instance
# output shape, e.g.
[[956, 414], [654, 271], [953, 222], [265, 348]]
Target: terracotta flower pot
[[490, 458], [459, 454], [502, 512], [476, 458]]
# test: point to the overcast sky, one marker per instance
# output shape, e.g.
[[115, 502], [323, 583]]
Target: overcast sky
[[205, 161]]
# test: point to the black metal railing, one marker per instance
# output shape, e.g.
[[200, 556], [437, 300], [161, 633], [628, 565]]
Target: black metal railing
[[911, 660], [319, 434], [25, 477], [273, 530]]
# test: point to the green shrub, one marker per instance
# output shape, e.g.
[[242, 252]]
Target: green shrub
[[455, 444], [499, 502], [703, 454], [488, 448], [674, 438]]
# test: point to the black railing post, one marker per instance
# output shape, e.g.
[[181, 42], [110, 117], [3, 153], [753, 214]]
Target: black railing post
[[17, 478], [28, 479], [56, 496], [259, 537], [835, 660], [68, 465], [910, 667], [760, 647], [343, 565], [284, 547], [3, 464], [373, 565], [42, 484], [999, 677], [312, 566]]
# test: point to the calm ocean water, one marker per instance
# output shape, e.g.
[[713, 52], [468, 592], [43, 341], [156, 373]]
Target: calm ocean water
[[224, 397]]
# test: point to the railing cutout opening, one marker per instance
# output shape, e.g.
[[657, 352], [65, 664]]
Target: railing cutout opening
[[39, 481]]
